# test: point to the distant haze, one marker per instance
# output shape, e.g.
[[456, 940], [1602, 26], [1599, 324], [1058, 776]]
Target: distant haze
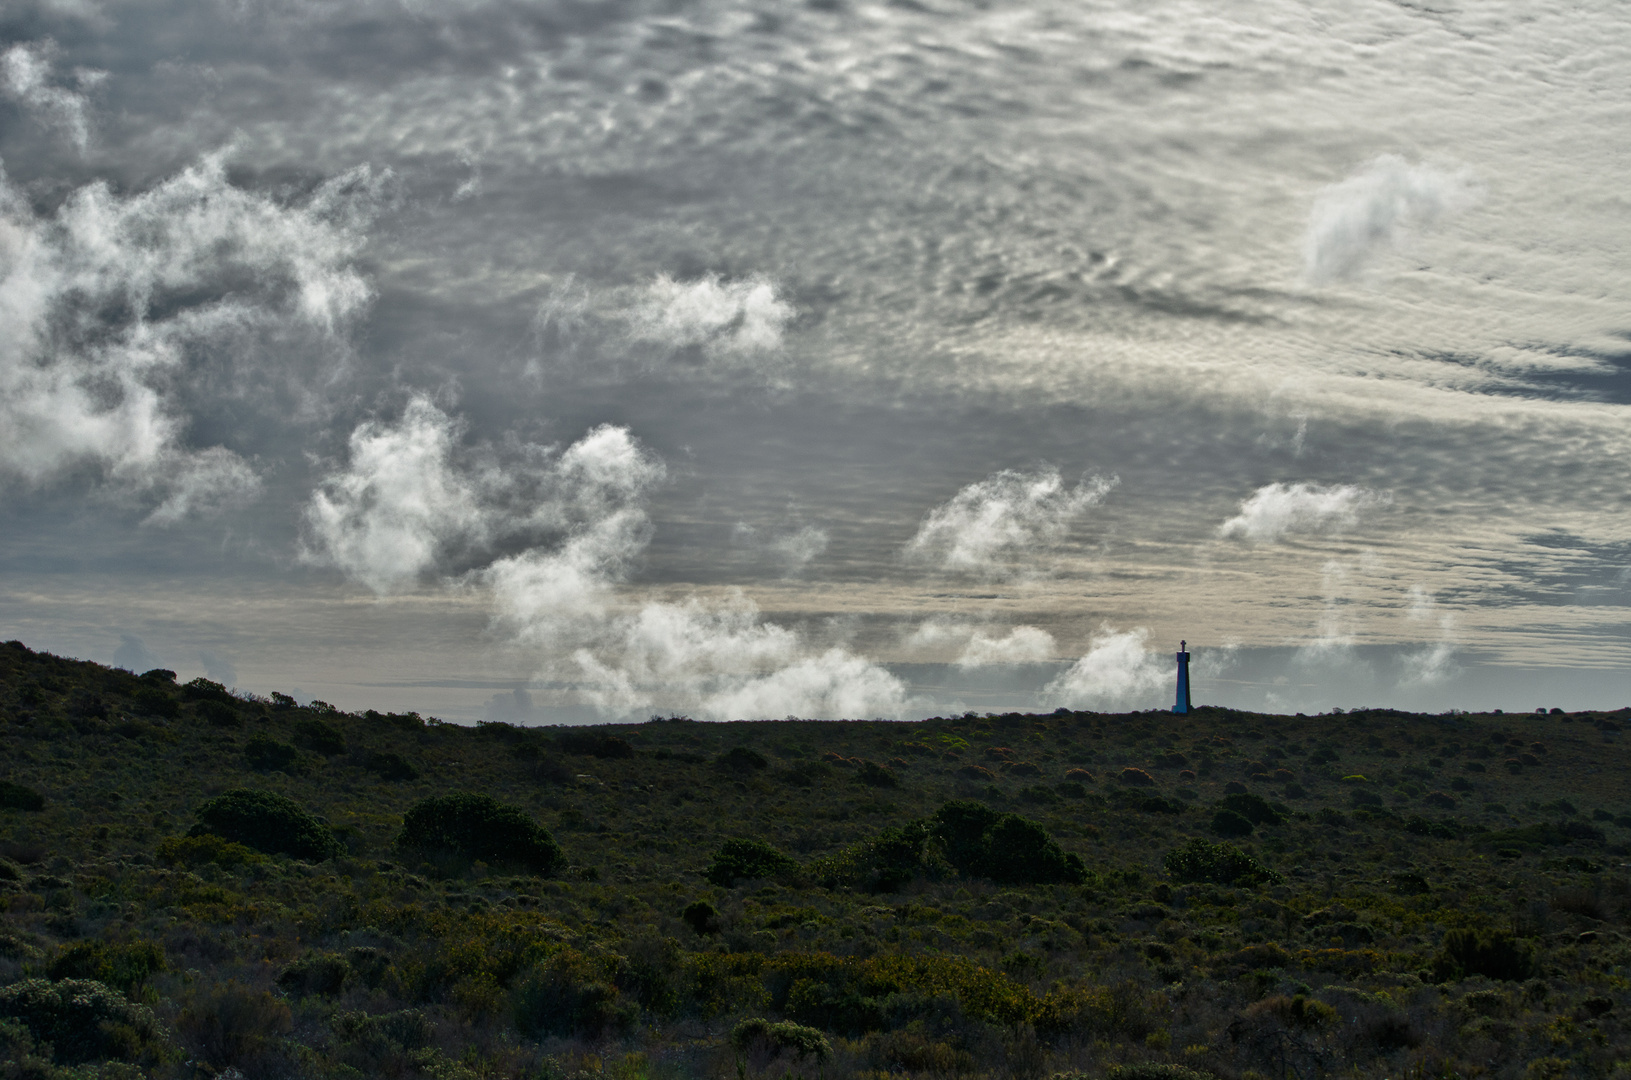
[[557, 361]]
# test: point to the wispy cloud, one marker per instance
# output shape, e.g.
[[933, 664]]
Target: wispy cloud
[[718, 316], [1277, 510], [986, 528], [1118, 671], [1434, 663], [1373, 208], [26, 77]]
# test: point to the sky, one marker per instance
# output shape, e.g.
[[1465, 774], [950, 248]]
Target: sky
[[584, 360]]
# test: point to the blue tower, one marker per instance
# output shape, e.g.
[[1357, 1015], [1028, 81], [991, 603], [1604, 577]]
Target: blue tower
[[1183, 678]]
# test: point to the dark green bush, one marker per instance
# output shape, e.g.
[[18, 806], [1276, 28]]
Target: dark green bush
[[1006, 848], [874, 775], [747, 859], [314, 973], [389, 766], [320, 737], [156, 702], [202, 689], [1495, 954], [594, 744], [473, 827], [778, 1036], [124, 967], [570, 995], [370, 1039], [1219, 864], [742, 759], [885, 862], [1253, 808], [701, 916], [268, 755], [82, 1019], [14, 796], [231, 1026], [218, 715], [268, 822], [1229, 823]]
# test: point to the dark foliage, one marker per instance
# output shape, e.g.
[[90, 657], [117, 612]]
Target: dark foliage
[[1494, 954], [1006, 848], [701, 916], [801, 1041], [884, 862], [1231, 824], [315, 973], [1219, 864], [268, 822], [594, 744], [320, 737], [747, 859], [82, 1019], [124, 967], [268, 755], [14, 796], [389, 765], [478, 827], [202, 689], [741, 759], [1253, 808]]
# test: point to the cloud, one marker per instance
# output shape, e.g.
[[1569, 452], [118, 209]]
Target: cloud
[[121, 317], [25, 77], [720, 317], [801, 548], [218, 667], [1434, 663], [411, 498], [1117, 672], [1375, 208], [720, 660], [134, 655], [1010, 515], [975, 647], [1277, 510]]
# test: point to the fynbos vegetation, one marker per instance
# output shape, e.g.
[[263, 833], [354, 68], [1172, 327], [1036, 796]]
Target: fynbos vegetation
[[194, 882]]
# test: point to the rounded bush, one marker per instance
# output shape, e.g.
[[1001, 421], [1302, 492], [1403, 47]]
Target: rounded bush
[[82, 1019], [737, 860], [701, 916], [742, 759], [14, 796], [267, 822], [1219, 864], [1136, 777], [479, 827], [781, 1035], [1006, 848]]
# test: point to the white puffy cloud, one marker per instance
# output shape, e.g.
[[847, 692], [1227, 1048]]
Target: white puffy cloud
[[721, 660], [1117, 672], [1276, 510], [117, 311], [410, 496], [721, 317], [25, 77], [1009, 515], [975, 646], [1374, 208], [398, 505]]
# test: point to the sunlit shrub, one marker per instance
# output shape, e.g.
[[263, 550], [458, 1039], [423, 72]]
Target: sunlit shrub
[[884, 862], [470, 827], [740, 859], [778, 1036]]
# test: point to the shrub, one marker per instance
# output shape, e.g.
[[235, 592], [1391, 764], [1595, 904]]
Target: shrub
[[82, 1019], [218, 715], [1154, 1070], [1230, 823], [569, 995], [747, 859], [778, 1036], [123, 967], [202, 689], [1219, 864], [741, 759], [1495, 954], [389, 766], [1253, 808], [314, 973], [231, 1026], [470, 827], [320, 737], [1079, 776], [594, 744], [268, 755], [875, 775], [701, 916], [14, 796], [1136, 777], [268, 822], [884, 862], [200, 850], [155, 702], [1006, 848], [370, 1039]]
